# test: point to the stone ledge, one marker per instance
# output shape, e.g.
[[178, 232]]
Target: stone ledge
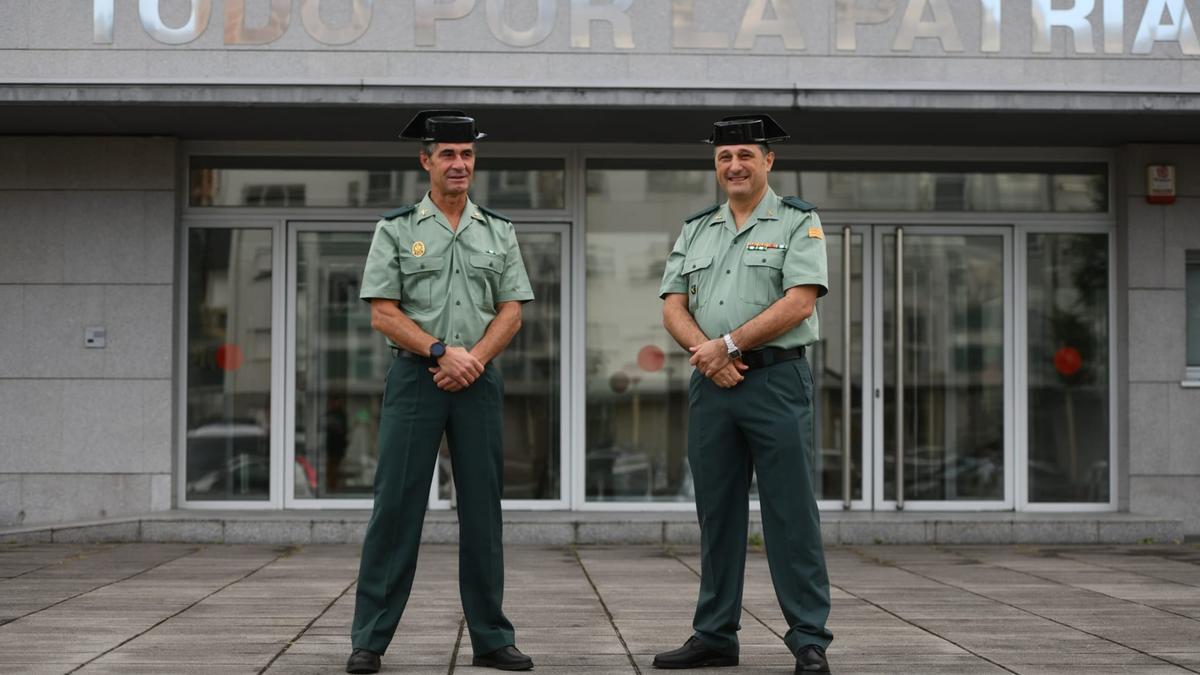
[[561, 528]]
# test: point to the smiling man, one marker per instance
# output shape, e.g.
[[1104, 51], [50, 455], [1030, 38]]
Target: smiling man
[[740, 291], [445, 280]]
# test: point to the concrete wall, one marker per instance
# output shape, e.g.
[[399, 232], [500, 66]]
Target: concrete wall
[[655, 43], [1163, 416], [87, 238]]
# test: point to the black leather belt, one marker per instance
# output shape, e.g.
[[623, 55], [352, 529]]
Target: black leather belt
[[768, 356], [398, 353]]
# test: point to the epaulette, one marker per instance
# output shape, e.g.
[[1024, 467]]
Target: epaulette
[[701, 213], [494, 214], [797, 203], [396, 213]]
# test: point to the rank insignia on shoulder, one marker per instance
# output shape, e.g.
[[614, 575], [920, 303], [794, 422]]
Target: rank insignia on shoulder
[[693, 289], [815, 233]]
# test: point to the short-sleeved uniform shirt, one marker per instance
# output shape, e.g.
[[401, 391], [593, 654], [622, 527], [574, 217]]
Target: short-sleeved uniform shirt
[[447, 282], [731, 276]]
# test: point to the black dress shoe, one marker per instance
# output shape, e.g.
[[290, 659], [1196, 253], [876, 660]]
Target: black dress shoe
[[363, 661], [505, 658], [694, 654], [811, 659]]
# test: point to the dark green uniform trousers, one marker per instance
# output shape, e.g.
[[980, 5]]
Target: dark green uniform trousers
[[764, 424], [415, 415]]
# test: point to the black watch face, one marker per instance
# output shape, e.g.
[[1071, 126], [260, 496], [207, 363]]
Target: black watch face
[[437, 350]]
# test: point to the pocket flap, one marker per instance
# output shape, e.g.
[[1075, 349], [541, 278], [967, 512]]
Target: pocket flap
[[421, 265], [487, 262], [698, 263], [764, 259]]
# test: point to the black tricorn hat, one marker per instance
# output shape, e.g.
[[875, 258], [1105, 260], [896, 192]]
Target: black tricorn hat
[[745, 129], [441, 126]]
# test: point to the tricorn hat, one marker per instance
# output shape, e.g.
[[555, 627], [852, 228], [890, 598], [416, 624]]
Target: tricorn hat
[[744, 129], [441, 126]]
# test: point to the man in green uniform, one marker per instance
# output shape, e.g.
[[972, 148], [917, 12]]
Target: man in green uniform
[[739, 292], [445, 281]]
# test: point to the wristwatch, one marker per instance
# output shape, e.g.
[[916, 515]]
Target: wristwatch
[[437, 350], [730, 348]]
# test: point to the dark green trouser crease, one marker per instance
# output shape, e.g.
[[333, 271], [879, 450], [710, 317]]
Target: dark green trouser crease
[[415, 415], [764, 427]]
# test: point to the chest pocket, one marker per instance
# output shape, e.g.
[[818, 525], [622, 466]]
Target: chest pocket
[[485, 278], [418, 275], [762, 277], [698, 272]]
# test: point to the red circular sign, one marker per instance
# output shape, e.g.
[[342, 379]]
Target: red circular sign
[[230, 357], [619, 382], [651, 358], [1067, 361]]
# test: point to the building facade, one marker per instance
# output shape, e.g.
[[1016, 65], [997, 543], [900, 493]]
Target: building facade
[[1010, 192]]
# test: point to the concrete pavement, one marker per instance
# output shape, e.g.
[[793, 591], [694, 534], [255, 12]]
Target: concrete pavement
[[186, 608]]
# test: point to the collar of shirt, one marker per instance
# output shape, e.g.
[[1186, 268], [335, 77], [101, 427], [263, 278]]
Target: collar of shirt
[[427, 209], [767, 209]]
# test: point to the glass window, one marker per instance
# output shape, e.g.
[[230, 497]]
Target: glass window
[[335, 182], [229, 364], [636, 375], [339, 364], [1193, 314], [1068, 368], [928, 186]]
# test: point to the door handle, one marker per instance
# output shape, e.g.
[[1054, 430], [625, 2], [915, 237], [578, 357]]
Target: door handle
[[847, 417], [899, 341]]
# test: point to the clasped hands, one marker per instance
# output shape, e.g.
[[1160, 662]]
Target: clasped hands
[[456, 370], [712, 360]]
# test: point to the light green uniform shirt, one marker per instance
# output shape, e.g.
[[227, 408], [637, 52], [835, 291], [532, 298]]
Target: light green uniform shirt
[[447, 282], [731, 276]]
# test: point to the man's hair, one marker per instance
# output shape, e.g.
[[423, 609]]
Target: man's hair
[[428, 148], [761, 146]]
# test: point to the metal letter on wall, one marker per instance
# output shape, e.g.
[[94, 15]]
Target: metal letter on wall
[[360, 21], [196, 24], [1180, 29], [992, 20], [615, 12], [850, 16], [1045, 18], [1114, 26], [428, 12], [942, 26], [755, 23], [238, 33], [547, 13], [683, 29], [102, 22]]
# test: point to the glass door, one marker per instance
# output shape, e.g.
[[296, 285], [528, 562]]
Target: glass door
[[841, 478], [336, 365], [943, 368]]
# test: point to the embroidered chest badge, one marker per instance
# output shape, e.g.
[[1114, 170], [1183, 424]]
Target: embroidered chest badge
[[418, 248]]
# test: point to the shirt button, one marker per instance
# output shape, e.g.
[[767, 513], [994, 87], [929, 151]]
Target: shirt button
[[456, 336], [764, 260], [457, 302], [456, 271], [728, 271], [721, 302]]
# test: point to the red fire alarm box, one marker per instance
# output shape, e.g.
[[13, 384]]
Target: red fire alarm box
[[1160, 184]]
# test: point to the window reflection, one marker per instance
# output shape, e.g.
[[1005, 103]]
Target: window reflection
[[500, 183], [636, 375], [229, 364], [1069, 190], [1068, 368], [339, 358], [954, 367]]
